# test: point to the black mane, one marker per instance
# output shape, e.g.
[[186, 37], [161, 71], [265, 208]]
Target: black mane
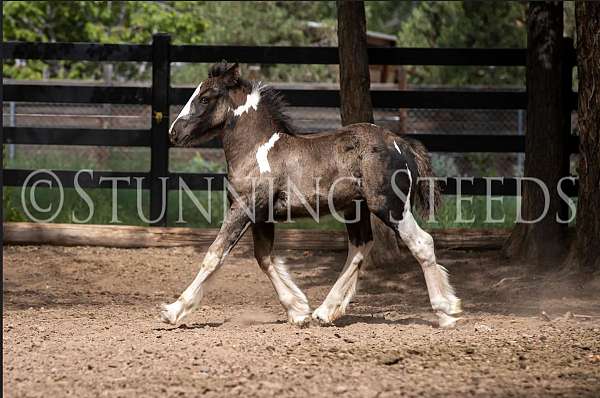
[[275, 106]]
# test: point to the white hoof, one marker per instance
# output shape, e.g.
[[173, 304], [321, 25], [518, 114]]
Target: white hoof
[[446, 321], [173, 313], [299, 319], [449, 306], [324, 315], [455, 306]]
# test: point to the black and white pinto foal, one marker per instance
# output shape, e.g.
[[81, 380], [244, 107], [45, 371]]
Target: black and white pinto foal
[[363, 169]]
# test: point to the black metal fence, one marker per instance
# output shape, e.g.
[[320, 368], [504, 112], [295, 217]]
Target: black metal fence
[[160, 95]]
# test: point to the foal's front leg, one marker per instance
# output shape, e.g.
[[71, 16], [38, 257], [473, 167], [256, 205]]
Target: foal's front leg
[[233, 228], [291, 297]]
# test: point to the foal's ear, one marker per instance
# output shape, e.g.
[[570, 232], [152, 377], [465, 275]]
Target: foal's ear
[[231, 75]]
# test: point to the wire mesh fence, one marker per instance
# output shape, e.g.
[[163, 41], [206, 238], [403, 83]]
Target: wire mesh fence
[[305, 119]]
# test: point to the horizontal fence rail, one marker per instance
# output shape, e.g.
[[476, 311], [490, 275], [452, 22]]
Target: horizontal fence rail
[[78, 51], [74, 136], [330, 56], [264, 54], [461, 143], [423, 99], [161, 53], [270, 55], [77, 94]]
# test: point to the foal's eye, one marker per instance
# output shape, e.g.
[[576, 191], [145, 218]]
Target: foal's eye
[[204, 100]]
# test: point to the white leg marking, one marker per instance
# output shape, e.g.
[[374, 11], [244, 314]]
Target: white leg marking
[[252, 101], [420, 243], [343, 290], [190, 298], [263, 151], [291, 297], [185, 111], [446, 321]]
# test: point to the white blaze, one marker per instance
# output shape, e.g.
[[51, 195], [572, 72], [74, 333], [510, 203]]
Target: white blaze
[[263, 151], [185, 112]]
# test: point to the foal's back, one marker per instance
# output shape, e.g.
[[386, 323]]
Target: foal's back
[[361, 150]]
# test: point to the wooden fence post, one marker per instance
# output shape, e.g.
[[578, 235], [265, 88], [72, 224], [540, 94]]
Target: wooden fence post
[[567, 65], [159, 166], [542, 242]]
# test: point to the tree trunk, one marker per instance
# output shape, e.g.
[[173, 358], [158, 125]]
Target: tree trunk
[[546, 150], [355, 84], [356, 106], [587, 18]]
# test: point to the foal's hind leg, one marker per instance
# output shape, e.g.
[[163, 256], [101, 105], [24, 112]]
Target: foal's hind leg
[[360, 240], [420, 243], [291, 297], [441, 294]]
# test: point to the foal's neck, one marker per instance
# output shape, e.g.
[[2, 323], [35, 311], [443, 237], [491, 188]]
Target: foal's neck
[[250, 125]]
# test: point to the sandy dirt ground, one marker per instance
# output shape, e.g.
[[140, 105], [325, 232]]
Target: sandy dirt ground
[[83, 322]]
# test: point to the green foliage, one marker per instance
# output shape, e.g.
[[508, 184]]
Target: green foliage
[[95, 21], [200, 165], [465, 24], [387, 16], [77, 158], [265, 23], [475, 210], [103, 21], [188, 22], [423, 24], [261, 23]]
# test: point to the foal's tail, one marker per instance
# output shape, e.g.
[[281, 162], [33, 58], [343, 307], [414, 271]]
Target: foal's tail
[[422, 193]]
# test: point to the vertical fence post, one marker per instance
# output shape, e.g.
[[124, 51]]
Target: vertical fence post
[[159, 153], [567, 64]]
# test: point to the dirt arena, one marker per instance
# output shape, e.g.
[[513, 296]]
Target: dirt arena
[[83, 322]]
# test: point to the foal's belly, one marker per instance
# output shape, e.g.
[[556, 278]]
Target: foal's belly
[[309, 200]]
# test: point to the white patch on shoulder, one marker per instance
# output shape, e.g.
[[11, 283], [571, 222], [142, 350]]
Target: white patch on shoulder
[[263, 151], [185, 112], [252, 101]]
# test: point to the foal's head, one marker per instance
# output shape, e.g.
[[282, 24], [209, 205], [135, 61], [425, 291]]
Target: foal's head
[[205, 114]]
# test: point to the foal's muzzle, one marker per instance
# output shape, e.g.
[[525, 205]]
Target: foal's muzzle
[[174, 132]]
